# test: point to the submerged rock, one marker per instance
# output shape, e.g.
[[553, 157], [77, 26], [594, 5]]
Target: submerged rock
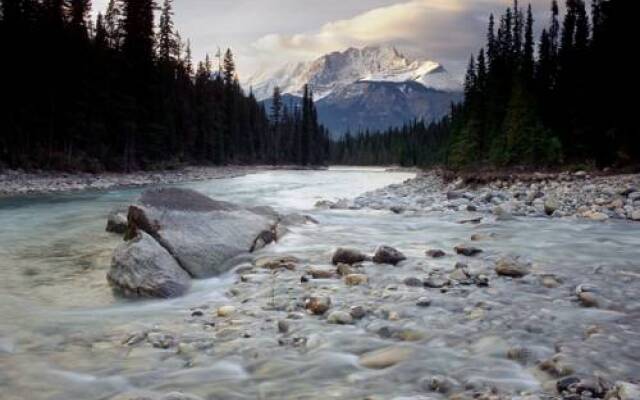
[[468, 251], [512, 267], [436, 253], [143, 268], [347, 256], [388, 255], [278, 262], [202, 234], [385, 358], [356, 279], [340, 318]]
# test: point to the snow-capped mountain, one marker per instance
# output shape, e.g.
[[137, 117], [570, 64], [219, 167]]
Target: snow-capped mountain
[[339, 69], [347, 87]]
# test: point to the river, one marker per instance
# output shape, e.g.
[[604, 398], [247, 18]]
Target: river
[[61, 328]]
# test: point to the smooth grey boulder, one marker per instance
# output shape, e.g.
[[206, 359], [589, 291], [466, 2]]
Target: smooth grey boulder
[[202, 234], [141, 267]]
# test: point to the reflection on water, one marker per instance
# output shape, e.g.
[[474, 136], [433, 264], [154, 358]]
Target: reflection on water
[[60, 326]]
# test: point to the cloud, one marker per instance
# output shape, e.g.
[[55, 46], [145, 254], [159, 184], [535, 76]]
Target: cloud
[[436, 28], [447, 31]]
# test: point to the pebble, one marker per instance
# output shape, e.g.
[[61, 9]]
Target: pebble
[[356, 279], [344, 269], [550, 282], [436, 253], [340, 318], [550, 206], [318, 305], [321, 274], [423, 302], [226, 311], [385, 358], [468, 251], [357, 312], [273, 263], [388, 255], [283, 326], [588, 299], [413, 282], [347, 256], [512, 267]]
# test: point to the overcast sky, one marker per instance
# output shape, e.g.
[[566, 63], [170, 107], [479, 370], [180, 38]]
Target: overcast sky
[[269, 33]]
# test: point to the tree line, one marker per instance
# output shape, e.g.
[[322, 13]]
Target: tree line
[[558, 100], [121, 92]]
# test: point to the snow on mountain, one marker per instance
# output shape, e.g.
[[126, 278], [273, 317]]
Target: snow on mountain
[[340, 69]]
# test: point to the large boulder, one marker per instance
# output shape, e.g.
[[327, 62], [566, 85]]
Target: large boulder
[[202, 234], [143, 268]]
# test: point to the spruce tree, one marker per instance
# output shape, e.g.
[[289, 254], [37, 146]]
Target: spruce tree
[[168, 45]]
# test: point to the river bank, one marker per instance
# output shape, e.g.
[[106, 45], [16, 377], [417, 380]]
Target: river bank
[[17, 182], [559, 195]]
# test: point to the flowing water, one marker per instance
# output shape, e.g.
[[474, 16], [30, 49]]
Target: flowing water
[[62, 330]]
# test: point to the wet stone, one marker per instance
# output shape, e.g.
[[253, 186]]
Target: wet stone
[[344, 269], [225, 311], [161, 340], [347, 256], [388, 255], [413, 282], [385, 358], [340, 318], [512, 267], [318, 305], [468, 251], [357, 312], [273, 263], [356, 279], [435, 282], [321, 273], [423, 302], [283, 326], [436, 253]]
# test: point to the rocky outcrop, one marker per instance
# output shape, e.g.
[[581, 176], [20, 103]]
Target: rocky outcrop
[[178, 234], [202, 234], [143, 268]]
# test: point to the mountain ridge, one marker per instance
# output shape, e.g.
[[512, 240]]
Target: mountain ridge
[[374, 88]]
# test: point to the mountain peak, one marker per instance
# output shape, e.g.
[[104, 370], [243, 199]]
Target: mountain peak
[[374, 63]]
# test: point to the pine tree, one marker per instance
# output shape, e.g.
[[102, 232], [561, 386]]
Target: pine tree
[[168, 45], [491, 42], [113, 23], [79, 12], [188, 59], [276, 119], [528, 51], [138, 30]]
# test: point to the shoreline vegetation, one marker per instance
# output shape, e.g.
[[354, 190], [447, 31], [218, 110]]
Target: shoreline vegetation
[[552, 102], [122, 93]]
